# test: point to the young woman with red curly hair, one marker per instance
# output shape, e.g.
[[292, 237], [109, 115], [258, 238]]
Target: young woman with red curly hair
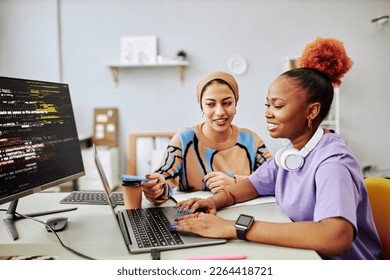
[[316, 180]]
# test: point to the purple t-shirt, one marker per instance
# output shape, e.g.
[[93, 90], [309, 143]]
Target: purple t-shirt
[[330, 184]]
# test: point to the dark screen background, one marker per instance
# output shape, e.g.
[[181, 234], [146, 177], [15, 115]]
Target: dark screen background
[[38, 136]]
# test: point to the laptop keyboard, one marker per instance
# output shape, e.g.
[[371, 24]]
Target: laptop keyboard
[[151, 228], [92, 198]]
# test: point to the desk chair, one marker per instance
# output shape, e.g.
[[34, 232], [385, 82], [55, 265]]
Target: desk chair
[[379, 196]]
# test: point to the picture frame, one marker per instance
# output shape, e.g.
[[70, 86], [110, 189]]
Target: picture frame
[[138, 50], [145, 150]]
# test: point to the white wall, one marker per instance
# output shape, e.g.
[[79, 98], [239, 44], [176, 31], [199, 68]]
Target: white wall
[[211, 31]]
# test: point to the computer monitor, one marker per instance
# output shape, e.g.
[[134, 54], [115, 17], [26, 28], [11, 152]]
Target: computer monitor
[[39, 145]]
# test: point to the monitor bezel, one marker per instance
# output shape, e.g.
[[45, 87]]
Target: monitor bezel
[[41, 188]]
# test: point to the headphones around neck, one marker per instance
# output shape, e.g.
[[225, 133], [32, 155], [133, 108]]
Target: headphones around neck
[[291, 159]]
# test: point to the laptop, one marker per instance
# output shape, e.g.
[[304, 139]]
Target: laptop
[[141, 228]]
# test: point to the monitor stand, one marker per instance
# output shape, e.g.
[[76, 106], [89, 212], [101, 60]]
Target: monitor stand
[[11, 216]]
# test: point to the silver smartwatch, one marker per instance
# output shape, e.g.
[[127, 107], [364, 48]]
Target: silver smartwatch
[[242, 224]]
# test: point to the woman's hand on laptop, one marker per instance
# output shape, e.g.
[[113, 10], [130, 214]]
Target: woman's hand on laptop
[[205, 225], [155, 186]]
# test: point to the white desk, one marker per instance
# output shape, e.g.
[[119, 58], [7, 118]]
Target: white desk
[[93, 231]]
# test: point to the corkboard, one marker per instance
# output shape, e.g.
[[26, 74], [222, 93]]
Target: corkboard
[[105, 127]]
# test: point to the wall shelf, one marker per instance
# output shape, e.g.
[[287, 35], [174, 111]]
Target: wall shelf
[[115, 67]]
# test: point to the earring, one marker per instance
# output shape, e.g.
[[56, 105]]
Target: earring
[[202, 114], [309, 124]]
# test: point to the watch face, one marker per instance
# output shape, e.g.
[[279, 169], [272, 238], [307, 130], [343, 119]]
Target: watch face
[[244, 220]]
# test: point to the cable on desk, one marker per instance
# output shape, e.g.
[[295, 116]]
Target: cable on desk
[[59, 239]]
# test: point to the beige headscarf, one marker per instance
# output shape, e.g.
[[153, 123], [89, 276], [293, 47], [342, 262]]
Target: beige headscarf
[[229, 79]]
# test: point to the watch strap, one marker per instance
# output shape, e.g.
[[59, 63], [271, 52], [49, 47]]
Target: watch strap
[[241, 233]]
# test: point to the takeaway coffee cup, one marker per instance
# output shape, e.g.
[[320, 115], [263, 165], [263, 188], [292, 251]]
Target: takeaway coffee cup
[[132, 196]]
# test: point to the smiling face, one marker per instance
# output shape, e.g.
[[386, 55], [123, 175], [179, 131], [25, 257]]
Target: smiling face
[[287, 112], [219, 108]]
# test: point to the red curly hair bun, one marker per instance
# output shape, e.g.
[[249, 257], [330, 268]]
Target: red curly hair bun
[[327, 55]]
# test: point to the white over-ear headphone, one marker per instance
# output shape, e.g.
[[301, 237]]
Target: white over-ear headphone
[[290, 158]]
